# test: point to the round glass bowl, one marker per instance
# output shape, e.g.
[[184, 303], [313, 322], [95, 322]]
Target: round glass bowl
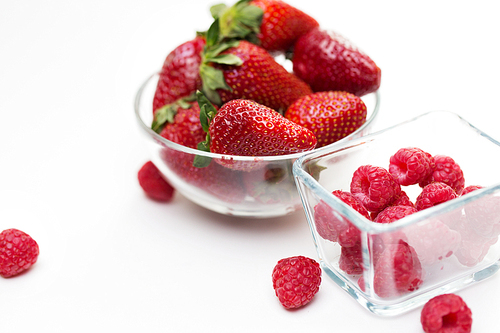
[[267, 190]]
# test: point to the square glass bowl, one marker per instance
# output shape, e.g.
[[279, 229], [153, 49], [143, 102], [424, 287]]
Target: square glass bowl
[[395, 267]]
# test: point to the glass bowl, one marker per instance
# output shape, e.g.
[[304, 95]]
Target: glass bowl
[[268, 190], [445, 247]]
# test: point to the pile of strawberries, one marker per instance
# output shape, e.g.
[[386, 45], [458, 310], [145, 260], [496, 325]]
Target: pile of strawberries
[[399, 257], [224, 92]]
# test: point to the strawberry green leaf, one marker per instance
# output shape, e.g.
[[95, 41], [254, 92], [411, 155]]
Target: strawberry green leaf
[[207, 110], [203, 161], [163, 115], [227, 59], [217, 10], [213, 34], [241, 21], [216, 49]]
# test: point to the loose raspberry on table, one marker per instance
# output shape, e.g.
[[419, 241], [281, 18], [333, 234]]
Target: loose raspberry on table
[[296, 280], [18, 252], [374, 187], [334, 228], [447, 313], [153, 184], [434, 194], [411, 165], [446, 171]]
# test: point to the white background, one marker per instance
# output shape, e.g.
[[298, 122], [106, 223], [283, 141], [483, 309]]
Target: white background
[[112, 260]]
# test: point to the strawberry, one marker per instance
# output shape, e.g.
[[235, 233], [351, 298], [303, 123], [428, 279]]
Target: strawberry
[[179, 76], [246, 128], [330, 115], [272, 24], [233, 69], [180, 122], [328, 61]]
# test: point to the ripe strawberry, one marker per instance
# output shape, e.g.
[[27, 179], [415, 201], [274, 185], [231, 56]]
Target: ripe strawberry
[[179, 76], [272, 24], [241, 70], [246, 128], [18, 252], [330, 115], [327, 61], [180, 122]]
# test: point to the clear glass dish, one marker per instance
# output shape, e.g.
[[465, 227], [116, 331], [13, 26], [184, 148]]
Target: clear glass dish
[[266, 191], [448, 247]]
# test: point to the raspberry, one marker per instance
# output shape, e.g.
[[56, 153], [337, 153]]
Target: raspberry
[[153, 184], [433, 241], [394, 213], [397, 270], [351, 259], [403, 200], [470, 188], [333, 227], [411, 165], [473, 247], [446, 171], [296, 280], [447, 313], [18, 251], [434, 194], [374, 187]]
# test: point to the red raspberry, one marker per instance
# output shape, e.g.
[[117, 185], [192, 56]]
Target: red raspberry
[[447, 171], [411, 165], [296, 280], [351, 259], [394, 213], [18, 251], [447, 313], [470, 188], [374, 187], [434, 194], [397, 270], [155, 186], [403, 200], [334, 228]]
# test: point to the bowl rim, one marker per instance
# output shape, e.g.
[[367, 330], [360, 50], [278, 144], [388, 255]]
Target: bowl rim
[[360, 221], [273, 158]]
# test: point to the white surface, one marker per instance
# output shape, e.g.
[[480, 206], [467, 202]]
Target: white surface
[[112, 260]]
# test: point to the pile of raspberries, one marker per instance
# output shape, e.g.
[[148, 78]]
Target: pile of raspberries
[[377, 194]]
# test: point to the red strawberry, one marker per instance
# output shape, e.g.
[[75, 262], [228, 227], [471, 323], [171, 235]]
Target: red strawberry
[[179, 76], [246, 128], [180, 122], [241, 70], [327, 61], [330, 115], [272, 24]]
